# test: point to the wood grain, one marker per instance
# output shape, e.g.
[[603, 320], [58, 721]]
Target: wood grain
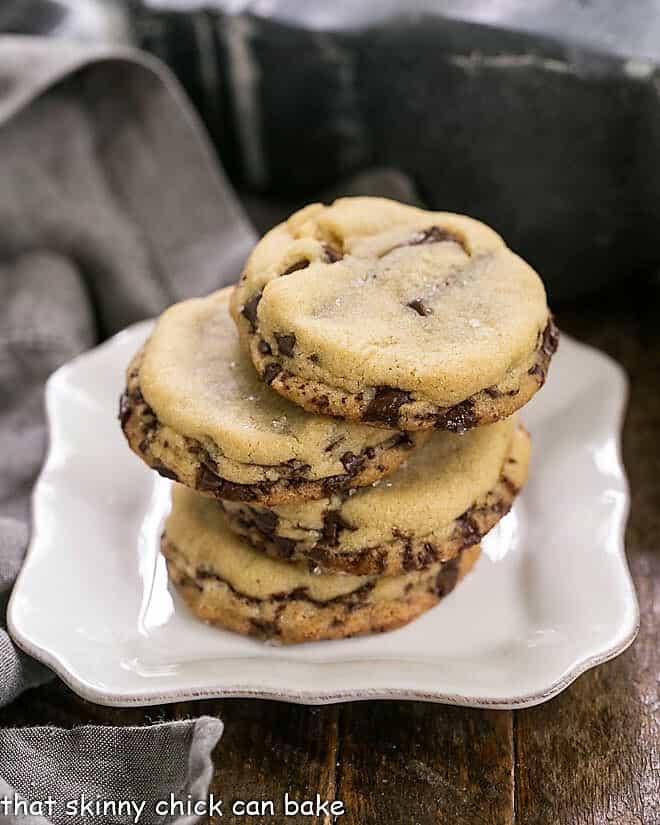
[[269, 748], [425, 764], [592, 755]]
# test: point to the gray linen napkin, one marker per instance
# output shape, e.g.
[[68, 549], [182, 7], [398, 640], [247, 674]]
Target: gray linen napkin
[[132, 770], [111, 208]]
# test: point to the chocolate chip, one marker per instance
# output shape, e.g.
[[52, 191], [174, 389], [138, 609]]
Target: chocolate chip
[[207, 480], [333, 525], [331, 254], [249, 310], [203, 574], [433, 235], [264, 627], [458, 419], [284, 546], [285, 343], [271, 371], [164, 471], [407, 557], [420, 307], [124, 409], [492, 392], [468, 527], [265, 520], [302, 264], [352, 463], [550, 339], [314, 358], [385, 405], [319, 556], [264, 347], [430, 554], [447, 577]]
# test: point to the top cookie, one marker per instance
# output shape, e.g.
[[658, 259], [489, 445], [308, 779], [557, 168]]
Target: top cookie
[[375, 311], [195, 410]]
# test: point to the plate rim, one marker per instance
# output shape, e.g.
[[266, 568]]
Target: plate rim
[[149, 697]]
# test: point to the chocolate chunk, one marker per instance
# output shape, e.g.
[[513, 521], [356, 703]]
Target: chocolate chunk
[[264, 347], [468, 528], [334, 484], [430, 554], [249, 310], [314, 358], [420, 307], [333, 524], [492, 392], [296, 465], [434, 235], [284, 546], [408, 559], [271, 371], [447, 577], [332, 255], [458, 419], [352, 463], [164, 471], [550, 339], [302, 264], [124, 408], [385, 405], [204, 574], [265, 520], [207, 480], [319, 555], [285, 343], [264, 627]]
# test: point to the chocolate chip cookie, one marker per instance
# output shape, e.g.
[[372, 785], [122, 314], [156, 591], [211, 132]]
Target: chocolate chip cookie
[[446, 497], [195, 410], [228, 583], [374, 311]]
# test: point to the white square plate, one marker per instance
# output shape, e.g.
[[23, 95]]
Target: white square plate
[[550, 597]]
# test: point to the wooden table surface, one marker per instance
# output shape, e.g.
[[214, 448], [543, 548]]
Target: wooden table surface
[[591, 755]]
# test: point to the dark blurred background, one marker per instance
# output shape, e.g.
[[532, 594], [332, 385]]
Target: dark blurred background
[[541, 117]]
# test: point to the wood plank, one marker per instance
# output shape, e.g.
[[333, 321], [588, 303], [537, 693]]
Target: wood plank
[[592, 755], [422, 764], [269, 748]]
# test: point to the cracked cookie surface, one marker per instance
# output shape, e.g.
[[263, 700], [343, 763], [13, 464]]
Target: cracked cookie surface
[[195, 410], [375, 311], [228, 583], [446, 497]]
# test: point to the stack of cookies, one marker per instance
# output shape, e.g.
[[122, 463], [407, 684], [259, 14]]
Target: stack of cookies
[[341, 423]]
